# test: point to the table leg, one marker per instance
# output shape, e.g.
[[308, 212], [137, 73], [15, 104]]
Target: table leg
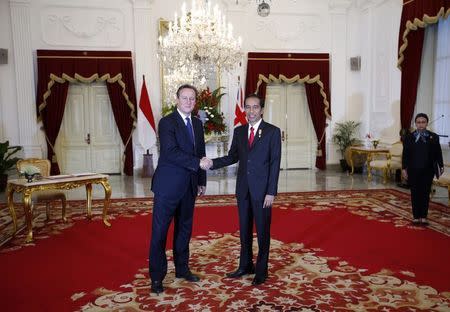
[[351, 162], [106, 203], [369, 170], [10, 199], [89, 200], [28, 216], [448, 188]]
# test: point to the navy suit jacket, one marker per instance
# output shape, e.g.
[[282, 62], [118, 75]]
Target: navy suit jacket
[[259, 166], [178, 163]]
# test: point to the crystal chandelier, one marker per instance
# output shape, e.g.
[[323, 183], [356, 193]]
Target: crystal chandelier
[[200, 40]]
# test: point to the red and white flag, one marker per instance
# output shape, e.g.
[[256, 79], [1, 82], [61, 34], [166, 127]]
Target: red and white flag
[[149, 137], [239, 113]]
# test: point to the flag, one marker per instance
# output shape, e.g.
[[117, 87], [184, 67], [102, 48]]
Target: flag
[[149, 137], [239, 114]]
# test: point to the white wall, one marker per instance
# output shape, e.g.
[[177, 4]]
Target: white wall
[[343, 28], [8, 101]]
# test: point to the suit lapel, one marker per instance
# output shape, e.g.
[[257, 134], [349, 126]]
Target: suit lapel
[[245, 136]]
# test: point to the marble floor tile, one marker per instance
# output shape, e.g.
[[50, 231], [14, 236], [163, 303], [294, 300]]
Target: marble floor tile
[[225, 183]]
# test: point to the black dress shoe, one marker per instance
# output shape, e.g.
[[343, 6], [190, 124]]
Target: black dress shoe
[[240, 272], [258, 280], [189, 276], [157, 287]]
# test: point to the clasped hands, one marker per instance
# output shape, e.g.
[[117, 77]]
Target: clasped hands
[[206, 163]]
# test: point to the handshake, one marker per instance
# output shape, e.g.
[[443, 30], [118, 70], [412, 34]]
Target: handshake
[[206, 163]]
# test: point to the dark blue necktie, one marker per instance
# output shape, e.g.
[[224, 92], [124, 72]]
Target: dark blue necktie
[[190, 130]]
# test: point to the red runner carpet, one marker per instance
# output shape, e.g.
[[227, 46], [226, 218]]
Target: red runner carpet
[[340, 250]]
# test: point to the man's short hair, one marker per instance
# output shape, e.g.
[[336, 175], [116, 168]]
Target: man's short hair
[[255, 96], [186, 86]]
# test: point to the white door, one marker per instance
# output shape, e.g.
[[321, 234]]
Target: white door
[[88, 140], [287, 107]]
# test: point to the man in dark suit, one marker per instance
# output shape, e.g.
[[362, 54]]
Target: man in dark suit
[[257, 147], [178, 179]]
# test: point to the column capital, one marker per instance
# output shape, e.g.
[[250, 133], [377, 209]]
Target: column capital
[[20, 2], [367, 4], [142, 4], [339, 6]]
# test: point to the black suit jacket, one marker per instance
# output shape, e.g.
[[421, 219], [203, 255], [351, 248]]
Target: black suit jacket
[[259, 166], [178, 163], [432, 146]]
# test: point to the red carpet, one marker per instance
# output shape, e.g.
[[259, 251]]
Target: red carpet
[[345, 250]]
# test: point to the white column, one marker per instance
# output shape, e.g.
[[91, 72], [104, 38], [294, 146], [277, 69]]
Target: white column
[[24, 75], [338, 74], [145, 47]]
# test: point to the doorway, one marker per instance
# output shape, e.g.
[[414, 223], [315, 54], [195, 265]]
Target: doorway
[[287, 108], [88, 140]]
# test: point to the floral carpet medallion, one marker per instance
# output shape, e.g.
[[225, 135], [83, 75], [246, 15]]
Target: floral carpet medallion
[[299, 280]]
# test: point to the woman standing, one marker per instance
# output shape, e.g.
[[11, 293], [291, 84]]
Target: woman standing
[[421, 160]]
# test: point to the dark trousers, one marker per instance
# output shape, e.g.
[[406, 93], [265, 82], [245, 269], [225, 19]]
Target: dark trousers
[[249, 210], [420, 182], [164, 210]]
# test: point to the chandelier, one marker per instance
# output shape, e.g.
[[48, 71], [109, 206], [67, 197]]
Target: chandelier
[[200, 40]]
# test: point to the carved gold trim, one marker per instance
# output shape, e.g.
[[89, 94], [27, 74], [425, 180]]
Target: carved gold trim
[[27, 190], [307, 79], [163, 29]]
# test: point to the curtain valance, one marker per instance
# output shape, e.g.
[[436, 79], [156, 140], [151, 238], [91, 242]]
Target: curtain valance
[[57, 68]]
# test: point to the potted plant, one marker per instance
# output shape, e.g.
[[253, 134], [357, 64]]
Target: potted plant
[[344, 137], [7, 161]]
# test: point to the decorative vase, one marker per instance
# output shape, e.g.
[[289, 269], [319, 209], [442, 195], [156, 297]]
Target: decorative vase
[[31, 177]]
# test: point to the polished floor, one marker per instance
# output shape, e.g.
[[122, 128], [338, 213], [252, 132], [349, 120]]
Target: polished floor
[[224, 183]]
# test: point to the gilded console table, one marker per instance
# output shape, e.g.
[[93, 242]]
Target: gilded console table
[[369, 151], [58, 182]]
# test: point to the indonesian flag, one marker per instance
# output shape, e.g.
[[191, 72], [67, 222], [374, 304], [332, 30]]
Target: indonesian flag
[[239, 114], [149, 137]]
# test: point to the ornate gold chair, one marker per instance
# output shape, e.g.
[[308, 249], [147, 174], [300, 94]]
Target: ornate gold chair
[[443, 181], [388, 162], [46, 197]]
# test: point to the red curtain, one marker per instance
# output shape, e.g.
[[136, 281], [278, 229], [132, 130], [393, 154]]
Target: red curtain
[[57, 68], [311, 69], [416, 15]]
